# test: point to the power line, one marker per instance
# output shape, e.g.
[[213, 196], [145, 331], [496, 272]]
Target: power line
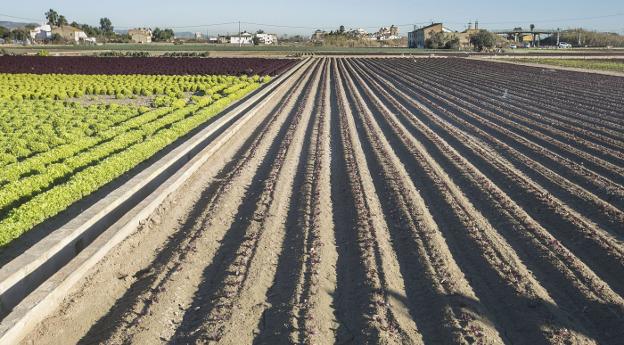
[[183, 27], [365, 27], [15, 17], [325, 27], [552, 20]]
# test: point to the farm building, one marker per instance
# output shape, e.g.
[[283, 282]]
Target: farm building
[[141, 35], [41, 33], [72, 34], [266, 39], [385, 33], [418, 37], [464, 36], [245, 38], [318, 36]]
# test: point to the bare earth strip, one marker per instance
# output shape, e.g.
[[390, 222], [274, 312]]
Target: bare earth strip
[[384, 201]]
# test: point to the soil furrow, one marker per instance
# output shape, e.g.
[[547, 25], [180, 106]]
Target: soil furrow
[[582, 286], [384, 317], [599, 166], [578, 174], [533, 117], [243, 267], [436, 287], [492, 267], [383, 201]]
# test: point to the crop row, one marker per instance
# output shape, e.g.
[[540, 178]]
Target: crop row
[[142, 65], [116, 157], [20, 87], [36, 126]]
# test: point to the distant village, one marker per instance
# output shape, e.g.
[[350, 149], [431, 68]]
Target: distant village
[[57, 29], [46, 33]]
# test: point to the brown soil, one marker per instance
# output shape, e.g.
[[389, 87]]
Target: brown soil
[[384, 201]]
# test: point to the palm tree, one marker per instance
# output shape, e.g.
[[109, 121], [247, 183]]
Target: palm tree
[[52, 16]]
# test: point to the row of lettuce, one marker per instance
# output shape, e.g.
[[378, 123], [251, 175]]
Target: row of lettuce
[[39, 185], [32, 126], [18, 87]]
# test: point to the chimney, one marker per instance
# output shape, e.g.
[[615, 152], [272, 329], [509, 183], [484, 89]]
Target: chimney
[[476, 24]]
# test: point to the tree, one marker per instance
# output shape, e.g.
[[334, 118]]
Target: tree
[[61, 21], [532, 26], [19, 35], [90, 30], [52, 16], [56, 38], [436, 40], [106, 26], [4, 32], [159, 35], [453, 43], [342, 29], [483, 39], [260, 31], [513, 36]]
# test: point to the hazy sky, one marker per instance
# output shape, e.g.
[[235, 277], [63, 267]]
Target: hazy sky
[[607, 15]]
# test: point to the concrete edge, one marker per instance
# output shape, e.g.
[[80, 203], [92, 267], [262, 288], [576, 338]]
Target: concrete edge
[[34, 307]]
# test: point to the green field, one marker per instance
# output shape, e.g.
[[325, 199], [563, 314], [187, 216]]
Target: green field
[[225, 48], [62, 137], [613, 65], [270, 50]]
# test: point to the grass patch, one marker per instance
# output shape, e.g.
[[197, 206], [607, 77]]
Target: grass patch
[[614, 65]]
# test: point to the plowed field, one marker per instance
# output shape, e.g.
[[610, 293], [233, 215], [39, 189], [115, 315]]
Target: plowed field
[[388, 200]]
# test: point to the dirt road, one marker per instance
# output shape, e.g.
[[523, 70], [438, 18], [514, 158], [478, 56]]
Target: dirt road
[[393, 201]]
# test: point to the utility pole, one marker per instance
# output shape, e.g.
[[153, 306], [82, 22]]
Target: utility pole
[[240, 43], [579, 37]]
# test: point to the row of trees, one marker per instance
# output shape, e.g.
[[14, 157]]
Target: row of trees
[[441, 40], [15, 34], [106, 28], [582, 37], [162, 35]]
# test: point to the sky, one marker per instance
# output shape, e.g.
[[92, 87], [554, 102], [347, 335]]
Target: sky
[[302, 17]]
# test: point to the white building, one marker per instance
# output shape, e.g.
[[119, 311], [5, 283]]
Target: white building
[[41, 33], [266, 39], [361, 33], [245, 38]]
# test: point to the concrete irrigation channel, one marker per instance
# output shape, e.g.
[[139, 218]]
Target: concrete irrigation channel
[[381, 200]]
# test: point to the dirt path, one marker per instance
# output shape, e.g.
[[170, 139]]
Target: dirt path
[[382, 201]]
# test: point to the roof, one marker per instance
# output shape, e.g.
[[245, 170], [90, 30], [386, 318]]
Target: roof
[[430, 26], [65, 28], [140, 31]]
